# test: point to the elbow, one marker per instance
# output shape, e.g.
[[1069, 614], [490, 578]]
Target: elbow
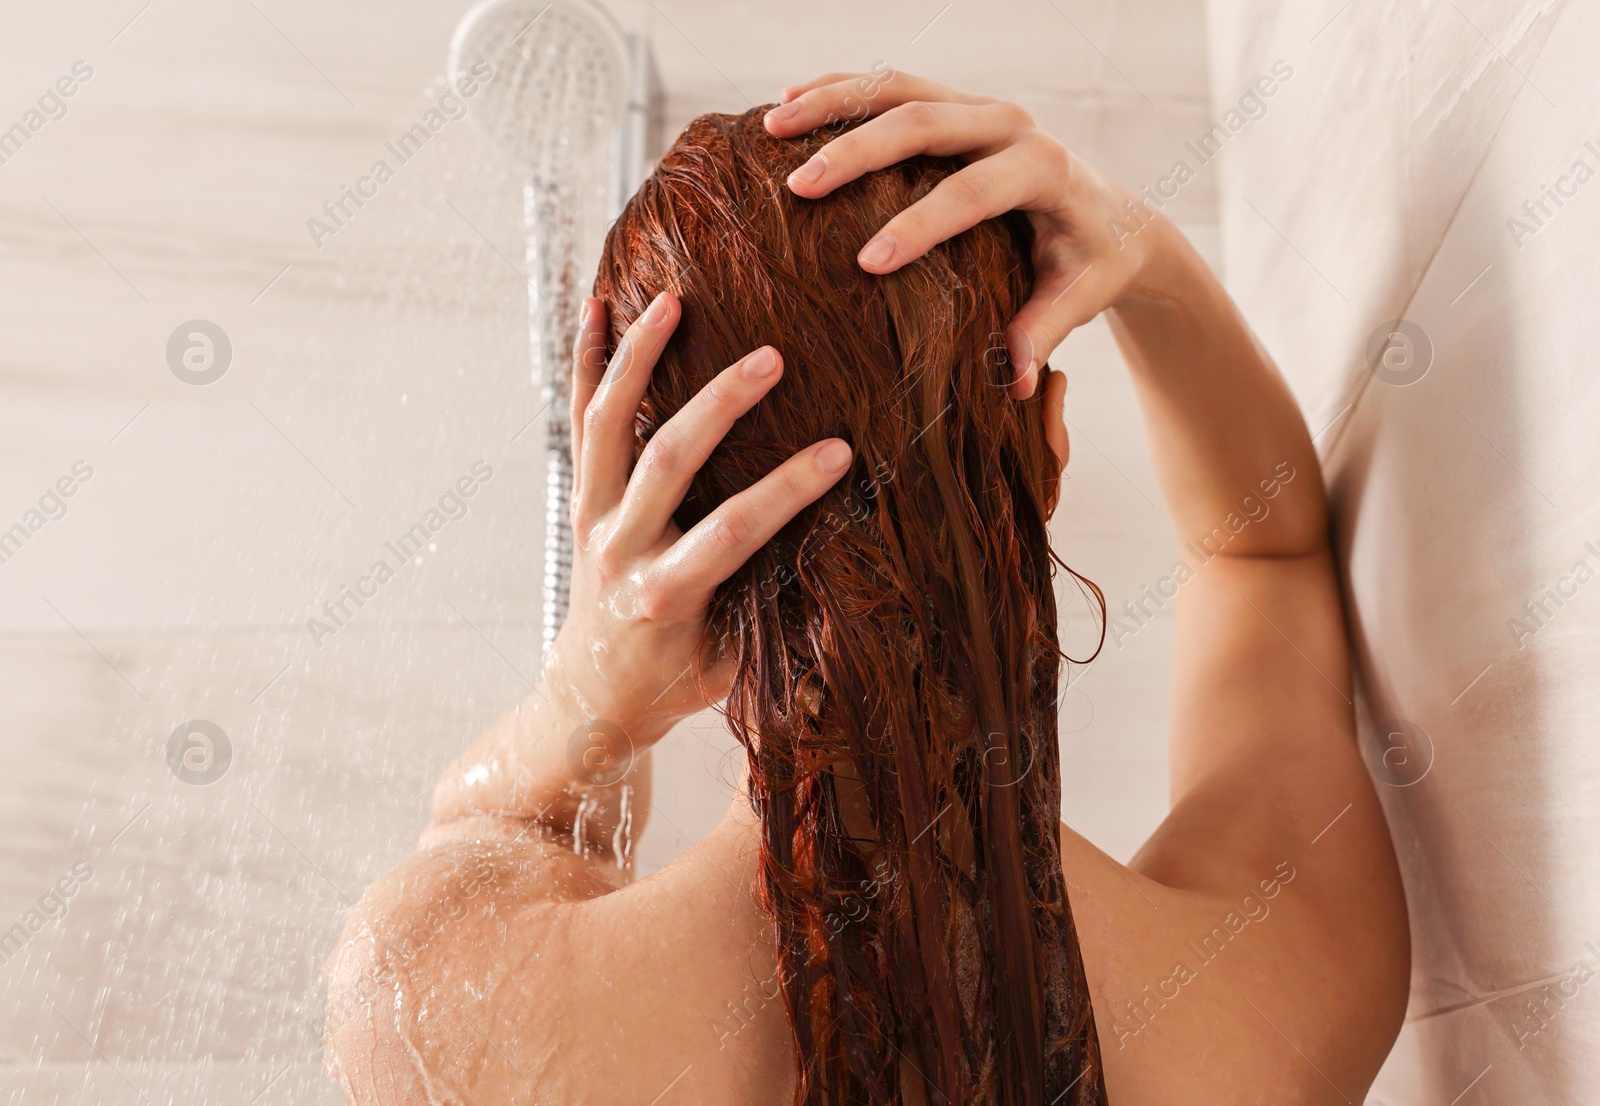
[[421, 988], [405, 961], [369, 1021]]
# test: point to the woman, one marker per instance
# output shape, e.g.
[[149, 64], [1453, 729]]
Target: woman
[[885, 650]]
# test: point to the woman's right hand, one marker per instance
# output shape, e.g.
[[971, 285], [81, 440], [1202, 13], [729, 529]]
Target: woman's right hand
[[1095, 243], [640, 586]]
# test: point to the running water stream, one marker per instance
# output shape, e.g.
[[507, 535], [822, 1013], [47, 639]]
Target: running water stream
[[559, 90]]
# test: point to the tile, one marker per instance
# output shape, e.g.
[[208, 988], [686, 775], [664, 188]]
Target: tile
[[209, 909], [697, 768], [1494, 1053], [363, 376], [123, 1082], [1460, 503], [1463, 520], [1115, 717], [1335, 198]]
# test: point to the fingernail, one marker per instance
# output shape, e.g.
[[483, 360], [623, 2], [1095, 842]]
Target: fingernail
[[656, 313], [585, 313], [811, 172], [833, 457], [782, 113], [878, 252], [760, 364]]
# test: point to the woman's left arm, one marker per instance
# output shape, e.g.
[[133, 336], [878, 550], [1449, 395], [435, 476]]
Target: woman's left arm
[[621, 672], [448, 955]]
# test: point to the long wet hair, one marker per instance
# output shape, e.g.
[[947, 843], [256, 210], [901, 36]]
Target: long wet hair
[[894, 648]]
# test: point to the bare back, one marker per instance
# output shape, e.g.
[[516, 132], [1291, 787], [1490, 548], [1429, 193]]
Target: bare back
[[1246, 955]]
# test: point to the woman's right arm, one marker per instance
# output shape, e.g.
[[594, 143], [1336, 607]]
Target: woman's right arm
[[1262, 696], [1265, 767]]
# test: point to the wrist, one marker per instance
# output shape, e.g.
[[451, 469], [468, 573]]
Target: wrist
[[1175, 293], [582, 694], [1171, 270]]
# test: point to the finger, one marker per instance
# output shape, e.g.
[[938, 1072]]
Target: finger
[[1062, 301], [727, 537], [608, 420], [791, 91], [682, 444], [857, 97], [917, 127], [1055, 435], [588, 364], [982, 190], [1055, 416]]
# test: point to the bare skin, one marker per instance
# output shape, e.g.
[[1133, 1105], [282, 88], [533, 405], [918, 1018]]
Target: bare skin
[[1254, 951]]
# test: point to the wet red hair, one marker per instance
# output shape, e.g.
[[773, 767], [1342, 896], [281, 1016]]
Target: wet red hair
[[895, 650]]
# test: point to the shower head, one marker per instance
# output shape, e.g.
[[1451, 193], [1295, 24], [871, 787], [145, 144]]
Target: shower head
[[561, 79]]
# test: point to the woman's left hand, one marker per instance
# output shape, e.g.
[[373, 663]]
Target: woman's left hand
[[1094, 244], [640, 586]]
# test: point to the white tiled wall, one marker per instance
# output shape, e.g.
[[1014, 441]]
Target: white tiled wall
[[1416, 132], [368, 375]]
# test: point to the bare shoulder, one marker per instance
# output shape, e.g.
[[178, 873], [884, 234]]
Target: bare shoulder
[[1256, 948], [499, 966], [1212, 997]]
